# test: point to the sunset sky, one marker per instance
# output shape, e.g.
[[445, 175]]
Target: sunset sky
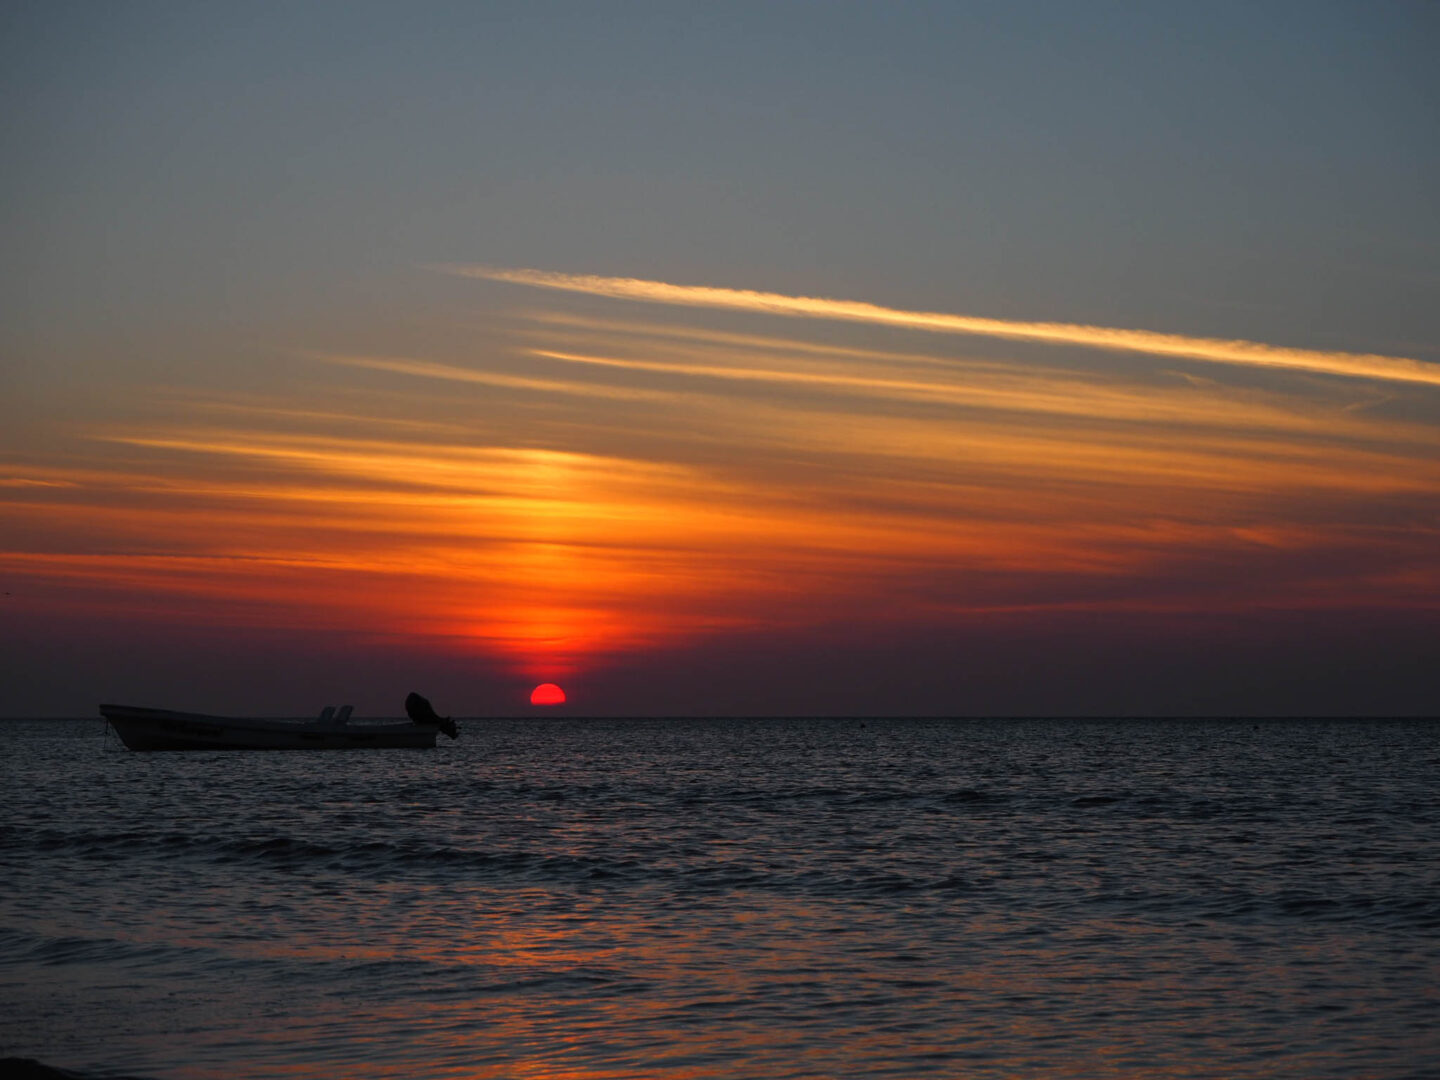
[[776, 358]]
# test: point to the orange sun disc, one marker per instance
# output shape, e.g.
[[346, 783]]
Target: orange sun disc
[[547, 694]]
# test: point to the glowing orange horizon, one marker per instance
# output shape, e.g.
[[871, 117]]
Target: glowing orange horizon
[[611, 488]]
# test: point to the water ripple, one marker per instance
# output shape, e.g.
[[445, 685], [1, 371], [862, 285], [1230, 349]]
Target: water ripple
[[725, 898]]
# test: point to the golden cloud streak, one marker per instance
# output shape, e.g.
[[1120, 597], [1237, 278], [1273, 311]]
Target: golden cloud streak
[[1052, 393], [429, 369], [1212, 350]]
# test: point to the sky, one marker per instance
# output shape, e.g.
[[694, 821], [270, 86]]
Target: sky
[[827, 359]]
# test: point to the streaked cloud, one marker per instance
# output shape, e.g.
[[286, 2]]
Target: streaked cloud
[[594, 487], [1213, 350], [429, 369]]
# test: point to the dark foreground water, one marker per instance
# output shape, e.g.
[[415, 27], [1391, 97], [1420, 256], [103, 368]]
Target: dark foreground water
[[759, 898]]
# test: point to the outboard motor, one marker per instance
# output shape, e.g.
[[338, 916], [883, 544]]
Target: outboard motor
[[421, 711]]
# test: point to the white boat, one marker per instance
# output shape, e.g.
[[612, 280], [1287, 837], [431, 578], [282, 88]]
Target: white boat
[[164, 729]]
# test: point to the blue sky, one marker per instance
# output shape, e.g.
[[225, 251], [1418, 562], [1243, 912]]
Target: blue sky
[[1172, 166]]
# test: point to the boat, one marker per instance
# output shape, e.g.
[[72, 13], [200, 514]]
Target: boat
[[165, 729]]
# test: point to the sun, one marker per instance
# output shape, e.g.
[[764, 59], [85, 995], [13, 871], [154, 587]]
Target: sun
[[547, 694]]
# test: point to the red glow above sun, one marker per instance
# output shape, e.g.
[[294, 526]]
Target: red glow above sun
[[547, 694]]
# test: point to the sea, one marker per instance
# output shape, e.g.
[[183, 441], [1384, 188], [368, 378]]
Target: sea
[[728, 898]]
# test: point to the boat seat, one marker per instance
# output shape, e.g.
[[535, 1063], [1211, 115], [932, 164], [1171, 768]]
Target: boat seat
[[326, 715], [343, 716]]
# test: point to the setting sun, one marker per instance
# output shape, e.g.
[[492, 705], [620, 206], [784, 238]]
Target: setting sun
[[547, 694]]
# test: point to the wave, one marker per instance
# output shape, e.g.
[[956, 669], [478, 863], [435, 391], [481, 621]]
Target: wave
[[362, 858], [15, 1068]]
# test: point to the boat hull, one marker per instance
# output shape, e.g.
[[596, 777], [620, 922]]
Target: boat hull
[[162, 729]]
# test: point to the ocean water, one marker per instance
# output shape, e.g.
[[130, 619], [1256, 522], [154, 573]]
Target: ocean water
[[731, 898]]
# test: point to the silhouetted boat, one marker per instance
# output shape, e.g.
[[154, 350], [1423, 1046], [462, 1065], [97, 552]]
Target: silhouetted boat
[[163, 729]]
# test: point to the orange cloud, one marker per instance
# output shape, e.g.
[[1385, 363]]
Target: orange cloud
[[1214, 350], [606, 487]]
